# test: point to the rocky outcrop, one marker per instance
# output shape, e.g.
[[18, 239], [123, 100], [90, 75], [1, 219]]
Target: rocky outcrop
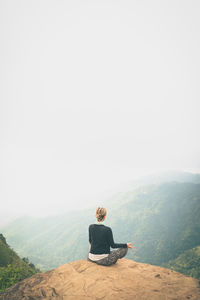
[[84, 280]]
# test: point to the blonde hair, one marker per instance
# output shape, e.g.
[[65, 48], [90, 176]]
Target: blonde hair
[[100, 213]]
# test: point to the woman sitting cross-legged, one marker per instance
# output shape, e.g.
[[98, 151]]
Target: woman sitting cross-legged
[[101, 239]]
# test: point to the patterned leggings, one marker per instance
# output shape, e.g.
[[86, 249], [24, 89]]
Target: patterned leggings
[[112, 258]]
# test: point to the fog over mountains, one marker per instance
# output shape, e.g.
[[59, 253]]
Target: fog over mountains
[[161, 218], [102, 196]]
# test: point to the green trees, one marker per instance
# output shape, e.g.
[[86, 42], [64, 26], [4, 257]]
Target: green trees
[[12, 267], [7, 255], [15, 272], [187, 263]]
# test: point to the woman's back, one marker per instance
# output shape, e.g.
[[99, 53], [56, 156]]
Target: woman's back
[[98, 239], [101, 239]]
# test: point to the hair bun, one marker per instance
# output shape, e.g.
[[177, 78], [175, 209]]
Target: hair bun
[[100, 213]]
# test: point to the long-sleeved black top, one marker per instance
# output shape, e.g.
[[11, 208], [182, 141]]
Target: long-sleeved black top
[[101, 239]]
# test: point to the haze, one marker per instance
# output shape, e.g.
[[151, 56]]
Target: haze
[[93, 94]]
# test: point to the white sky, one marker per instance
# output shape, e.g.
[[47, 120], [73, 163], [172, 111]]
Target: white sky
[[94, 93]]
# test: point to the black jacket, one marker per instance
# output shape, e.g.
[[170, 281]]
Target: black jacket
[[101, 239]]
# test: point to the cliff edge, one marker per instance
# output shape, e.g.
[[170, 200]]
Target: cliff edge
[[84, 280]]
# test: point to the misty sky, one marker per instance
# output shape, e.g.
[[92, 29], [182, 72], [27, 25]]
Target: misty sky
[[94, 93]]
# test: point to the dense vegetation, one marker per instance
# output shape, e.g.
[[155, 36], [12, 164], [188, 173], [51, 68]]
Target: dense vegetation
[[187, 263], [161, 220], [12, 267], [7, 255]]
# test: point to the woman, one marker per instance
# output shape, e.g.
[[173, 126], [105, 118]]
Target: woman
[[101, 239]]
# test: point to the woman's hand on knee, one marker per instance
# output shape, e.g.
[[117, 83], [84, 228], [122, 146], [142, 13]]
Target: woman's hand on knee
[[130, 245]]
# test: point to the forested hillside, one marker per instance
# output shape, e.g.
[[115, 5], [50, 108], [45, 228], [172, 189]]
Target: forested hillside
[[12, 267], [187, 263], [7, 255], [162, 221]]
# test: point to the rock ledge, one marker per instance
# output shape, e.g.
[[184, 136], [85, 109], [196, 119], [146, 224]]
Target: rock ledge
[[84, 280]]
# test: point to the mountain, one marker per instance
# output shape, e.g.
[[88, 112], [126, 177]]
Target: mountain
[[12, 267], [51, 241], [82, 280], [161, 220]]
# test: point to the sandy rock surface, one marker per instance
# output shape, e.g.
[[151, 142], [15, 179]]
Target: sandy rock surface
[[84, 280]]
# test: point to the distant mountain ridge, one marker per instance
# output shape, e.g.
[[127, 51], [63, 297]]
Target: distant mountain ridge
[[162, 220], [159, 178], [171, 176]]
